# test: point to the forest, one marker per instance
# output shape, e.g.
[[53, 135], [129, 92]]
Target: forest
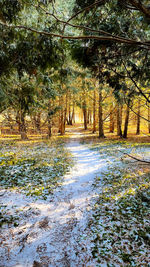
[[74, 133]]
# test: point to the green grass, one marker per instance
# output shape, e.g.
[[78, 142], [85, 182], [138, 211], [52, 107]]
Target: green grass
[[6, 218], [120, 225], [34, 168]]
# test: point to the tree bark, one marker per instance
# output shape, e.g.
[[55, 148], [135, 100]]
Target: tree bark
[[126, 120], [18, 120], [148, 118], [101, 131], [59, 127], [73, 113], [49, 121], [89, 116], [37, 122], [69, 112], [112, 123], [119, 130], [23, 130], [138, 118], [62, 117], [94, 111], [85, 114], [65, 112], [49, 127]]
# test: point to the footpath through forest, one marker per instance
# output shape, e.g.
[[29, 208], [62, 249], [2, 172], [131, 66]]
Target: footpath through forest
[[54, 232]]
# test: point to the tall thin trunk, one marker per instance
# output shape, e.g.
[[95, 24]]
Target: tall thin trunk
[[10, 120], [101, 131], [62, 117], [69, 112], [49, 127], [119, 130], [73, 113], [90, 116], [18, 120], [62, 129], [37, 122], [23, 130], [94, 111], [121, 111], [138, 117], [112, 123], [59, 126], [49, 120], [148, 118], [126, 120], [65, 112], [85, 114]]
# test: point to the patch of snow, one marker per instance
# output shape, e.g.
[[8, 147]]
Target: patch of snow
[[52, 233]]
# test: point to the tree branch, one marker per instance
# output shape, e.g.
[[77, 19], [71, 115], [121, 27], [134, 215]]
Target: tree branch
[[72, 25], [81, 37], [84, 9], [139, 89], [139, 6], [137, 159]]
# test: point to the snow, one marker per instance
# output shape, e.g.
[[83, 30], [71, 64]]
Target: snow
[[52, 233]]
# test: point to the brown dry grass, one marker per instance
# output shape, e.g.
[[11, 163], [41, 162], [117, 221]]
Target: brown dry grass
[[77, 132]]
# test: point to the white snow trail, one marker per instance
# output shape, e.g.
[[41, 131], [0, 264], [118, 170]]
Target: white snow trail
[[52, 232]]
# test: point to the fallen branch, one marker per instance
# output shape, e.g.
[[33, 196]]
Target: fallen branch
[[22, 241], [137, 159]]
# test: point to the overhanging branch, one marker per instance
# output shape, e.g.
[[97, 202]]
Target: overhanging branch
[[82, 37], [139, 6]]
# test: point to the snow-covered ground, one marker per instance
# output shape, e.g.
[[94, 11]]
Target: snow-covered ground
[[52, 233]]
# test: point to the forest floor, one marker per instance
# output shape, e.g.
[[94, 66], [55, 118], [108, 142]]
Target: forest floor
[[89, 207]]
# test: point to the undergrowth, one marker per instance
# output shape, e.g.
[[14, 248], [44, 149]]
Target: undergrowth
[[33, 168], [120, 227]]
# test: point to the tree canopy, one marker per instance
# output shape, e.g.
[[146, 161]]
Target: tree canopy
[[109, 40]]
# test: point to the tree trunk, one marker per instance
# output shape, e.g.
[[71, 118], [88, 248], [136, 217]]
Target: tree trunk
[[10, 121], [85, 115], [18, 120], [49, 127], [62, 124], [37, 122], [101, 131], [23, 130], [138, 118], [119, 130], [126, 120], [65, 113], [90, 117], [59, 127], [73, 113], [94, 112], [121, 110], [148, 118], [112, 123], [49, 121], [69, 114], [62, 129]]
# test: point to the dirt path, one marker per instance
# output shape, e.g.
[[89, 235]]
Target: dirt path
[[52, 232]]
